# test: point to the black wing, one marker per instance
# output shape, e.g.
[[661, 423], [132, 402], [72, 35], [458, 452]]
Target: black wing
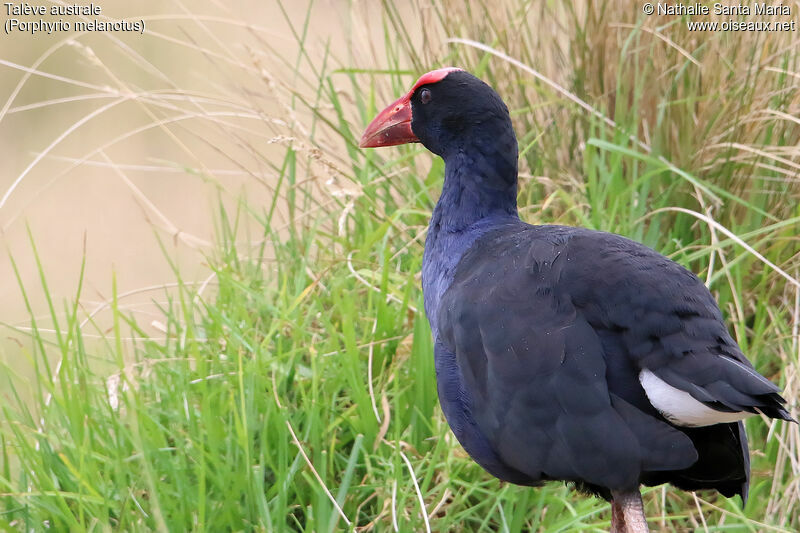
[[549, 327], [661, 317]]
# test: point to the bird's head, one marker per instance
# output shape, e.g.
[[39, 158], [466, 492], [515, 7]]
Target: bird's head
[[449, 111]]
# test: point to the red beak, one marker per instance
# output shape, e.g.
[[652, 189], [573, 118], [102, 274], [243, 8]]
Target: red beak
[[392, 126]]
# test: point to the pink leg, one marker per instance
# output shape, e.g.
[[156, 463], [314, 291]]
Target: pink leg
[[627, 513]]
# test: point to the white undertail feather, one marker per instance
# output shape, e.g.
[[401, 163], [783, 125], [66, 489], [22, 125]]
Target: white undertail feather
[[679, 407]]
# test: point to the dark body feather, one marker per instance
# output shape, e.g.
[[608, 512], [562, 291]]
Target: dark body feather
[[542, 334]]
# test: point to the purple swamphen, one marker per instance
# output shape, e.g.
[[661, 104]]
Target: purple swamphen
[[564, 353]]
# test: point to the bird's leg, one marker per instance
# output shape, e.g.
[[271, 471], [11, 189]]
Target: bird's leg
[[627, 513]]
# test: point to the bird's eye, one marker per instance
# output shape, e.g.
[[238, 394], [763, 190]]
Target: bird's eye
[[425, 96]]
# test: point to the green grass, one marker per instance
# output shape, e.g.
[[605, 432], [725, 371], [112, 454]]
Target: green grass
[[296, 391]]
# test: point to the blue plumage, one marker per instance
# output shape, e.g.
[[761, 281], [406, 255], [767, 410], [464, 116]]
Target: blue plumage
[[563, 353]]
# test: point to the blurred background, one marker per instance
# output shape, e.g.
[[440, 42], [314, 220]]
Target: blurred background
[[119, 146], [211, 305]]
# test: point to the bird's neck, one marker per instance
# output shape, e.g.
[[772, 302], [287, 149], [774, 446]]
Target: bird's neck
[[476, 187], [467, 208]]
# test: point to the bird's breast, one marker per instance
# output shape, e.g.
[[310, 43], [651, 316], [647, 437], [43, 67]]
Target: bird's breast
[[443, 251]]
